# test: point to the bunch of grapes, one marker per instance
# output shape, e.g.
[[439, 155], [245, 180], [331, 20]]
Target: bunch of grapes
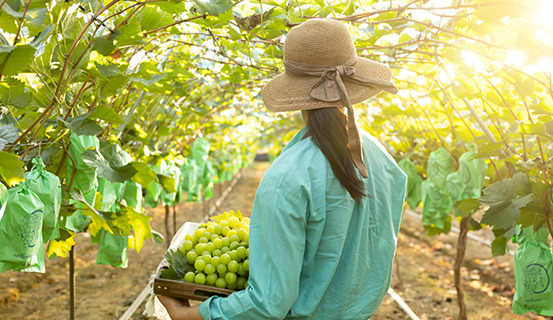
[[219, 251]]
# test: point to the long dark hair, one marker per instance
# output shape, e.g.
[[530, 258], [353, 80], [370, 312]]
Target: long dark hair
[[329, 129]]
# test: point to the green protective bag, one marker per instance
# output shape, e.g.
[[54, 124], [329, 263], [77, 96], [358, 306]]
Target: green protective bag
[[473, 173], [414, 182], [21, 231], [85, 176], [113, 250], [78, 222], [188, 175], [108, 190], [173, 170], [455, 187], [207, 181], [440, 165], [436, 204], [533, 271], [132, 195], [47, 187]]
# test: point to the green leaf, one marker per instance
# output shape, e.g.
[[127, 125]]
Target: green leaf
[[61, 246], [104, 45], [94, 158], [82, 126], [467, 205], [158, 237], [173, 7], [12, 92], [505, 199], [499, 246], [167, 182], [11, 168], [8, 134], [178, 264], [108, 70], [140, 226], [152, 18], [489, 149], [14, 59], [34, 20], [106, 114], [213, 7], [144, 175]]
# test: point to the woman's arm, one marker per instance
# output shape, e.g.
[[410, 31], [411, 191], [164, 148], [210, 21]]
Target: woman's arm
[[179, 310]]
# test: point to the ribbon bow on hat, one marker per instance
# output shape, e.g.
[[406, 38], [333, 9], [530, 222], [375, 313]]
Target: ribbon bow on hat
[[330, 88]]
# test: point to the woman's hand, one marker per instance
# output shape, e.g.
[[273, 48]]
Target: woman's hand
[[178, 309]]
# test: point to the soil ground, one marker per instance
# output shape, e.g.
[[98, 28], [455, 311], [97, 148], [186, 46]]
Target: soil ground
[[425, 269]]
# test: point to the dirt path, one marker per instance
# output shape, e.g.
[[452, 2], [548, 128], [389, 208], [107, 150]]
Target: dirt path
[[104, 292]]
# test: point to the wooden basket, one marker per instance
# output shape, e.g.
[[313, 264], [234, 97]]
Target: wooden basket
[[185, 290]]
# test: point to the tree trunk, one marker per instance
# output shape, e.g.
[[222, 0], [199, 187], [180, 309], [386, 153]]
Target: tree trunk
[[167, 232], [72, 304], [459, 259]]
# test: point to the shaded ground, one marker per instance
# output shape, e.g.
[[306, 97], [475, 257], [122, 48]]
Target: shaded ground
[[425, 265]]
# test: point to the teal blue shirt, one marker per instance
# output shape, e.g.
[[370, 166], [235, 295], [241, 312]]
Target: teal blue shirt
[[314, 252]]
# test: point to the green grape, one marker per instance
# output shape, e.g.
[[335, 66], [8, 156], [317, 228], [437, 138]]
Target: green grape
[[189, 277], [246, 264], [240, 283], [221, 268], [233, 255], [225, 259], [218, 243], [233, 222], [233, 266], [230, 277], [190, 237], [242, 234], [200, 247], [225, 241], [210, 279], [231, 286], [216, 253], [187, 245], [220, 283], [191, 256], [218, 229], [231, 233], [199, 264], [211, 229], [248, 252], [234, 238], [241, 252], [225, 231], [203, 240], [206, 253], [234, 245], [247, 238], [215, 261], [225, 250], [246, 220], [200, 278], [241, 270], [206, 258], [246, 284], [210, 247], [199, 232], [213, 237], [207, 235], [210, 269], [223, 223]]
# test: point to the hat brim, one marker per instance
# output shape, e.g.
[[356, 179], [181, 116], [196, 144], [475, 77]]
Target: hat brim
[[290, 92]]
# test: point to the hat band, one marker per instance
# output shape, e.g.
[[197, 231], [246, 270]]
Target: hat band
[[330, 87]]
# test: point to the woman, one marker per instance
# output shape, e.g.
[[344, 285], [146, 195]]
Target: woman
[[326, 215]]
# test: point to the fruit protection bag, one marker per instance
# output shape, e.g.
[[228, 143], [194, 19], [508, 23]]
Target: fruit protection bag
[[113, 248], [21, 231], [153, 191], [133, 195], [78, 222], [434, 192], [413, 183], [173, 170], [47, 187], [85, 176], [472, 172], [533, 271]]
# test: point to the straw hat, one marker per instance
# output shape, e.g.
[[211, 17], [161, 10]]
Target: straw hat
[[320, 42]]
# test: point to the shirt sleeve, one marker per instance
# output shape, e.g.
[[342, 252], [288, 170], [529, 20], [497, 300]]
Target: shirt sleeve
[[277, 244]]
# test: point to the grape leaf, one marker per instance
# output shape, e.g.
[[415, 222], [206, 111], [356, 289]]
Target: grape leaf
[[11, 168], [505, 199], [12, 92], [95, 159], [213, 7], [61, 246], [178, 265], [144, 175], [82, 126], [8, 134], [167, 182], [105, 113], [140, 226], [14, 59]]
